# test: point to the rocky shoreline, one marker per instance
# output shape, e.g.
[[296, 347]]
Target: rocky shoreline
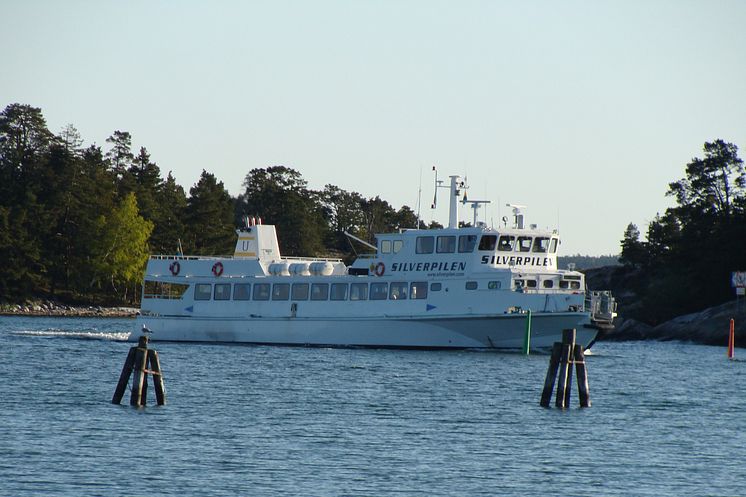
[[51, 308], [708, 327]]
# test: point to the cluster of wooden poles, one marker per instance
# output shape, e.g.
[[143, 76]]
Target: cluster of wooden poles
[[564, 355], [140, 363]]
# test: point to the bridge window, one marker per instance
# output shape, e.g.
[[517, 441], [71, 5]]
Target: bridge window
[[320, 291], [241, 291], [446, 244], [386, 246], [471, 285], [541, 244], [280, 291], [466, 243], [548, 284], [494, 285], [553, 246], [202, 291], [398, 244], [300, 291], [418, 289], [425, 244], [398, 291], [488, 242], [378, 291], [223, 291], [531, 283], [359, 291], [524, 243], [261, 291], [506, 243], [339, 291]]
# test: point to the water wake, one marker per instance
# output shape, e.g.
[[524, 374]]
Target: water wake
[[115, 336]]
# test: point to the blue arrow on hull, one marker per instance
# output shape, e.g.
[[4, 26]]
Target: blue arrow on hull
[[430, 307]]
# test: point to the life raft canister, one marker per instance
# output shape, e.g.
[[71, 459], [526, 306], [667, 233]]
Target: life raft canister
[[175, 267], [380, 269], [217, 268]]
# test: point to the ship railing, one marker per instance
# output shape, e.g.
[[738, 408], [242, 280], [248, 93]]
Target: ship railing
[[601, 305], [311, 259]]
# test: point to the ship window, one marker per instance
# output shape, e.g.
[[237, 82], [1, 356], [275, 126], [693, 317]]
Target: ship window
[[150, 290], [386, 246], [548, 284], [435, 287], [564, 284], [531, 283], [488, 242], [378, 291], [418, 289], [261, 291], [280, 291], [398, 244], [494, 285], [300, 291], [223, 291], [425, 244], [320, 291], [241, 291], [541, 244], [339, 291], [398, 291], [466, 243], [575, 285], [158, 290], [471, 285], [359, 291], [506, 243], [524, 243], [553, 246], [519, 284], [202, 291], [446, 244]]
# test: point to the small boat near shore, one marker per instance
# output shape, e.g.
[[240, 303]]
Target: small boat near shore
[[454, 287]]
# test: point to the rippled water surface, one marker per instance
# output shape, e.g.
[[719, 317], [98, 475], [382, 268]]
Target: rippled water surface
[[668, 419]]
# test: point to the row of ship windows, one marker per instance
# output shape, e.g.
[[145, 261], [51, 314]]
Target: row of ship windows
[[465, 244], [323, 291], [563, 284]]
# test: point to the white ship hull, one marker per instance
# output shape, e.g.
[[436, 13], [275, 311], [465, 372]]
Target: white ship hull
[[456, 287], [503, 331]]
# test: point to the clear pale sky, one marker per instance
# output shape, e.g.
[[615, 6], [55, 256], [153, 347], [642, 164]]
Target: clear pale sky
[[583, 111]]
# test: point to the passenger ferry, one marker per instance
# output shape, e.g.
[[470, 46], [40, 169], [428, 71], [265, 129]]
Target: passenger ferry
[[455, 287]]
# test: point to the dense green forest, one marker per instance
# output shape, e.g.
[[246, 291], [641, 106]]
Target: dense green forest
[[77, 222], [686, 260]]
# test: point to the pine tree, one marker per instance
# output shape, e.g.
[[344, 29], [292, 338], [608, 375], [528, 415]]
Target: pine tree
[[209, 217]]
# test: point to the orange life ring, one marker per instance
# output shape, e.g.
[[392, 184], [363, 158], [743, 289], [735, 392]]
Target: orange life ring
[[175, 267], [217, 268], [380, 269]]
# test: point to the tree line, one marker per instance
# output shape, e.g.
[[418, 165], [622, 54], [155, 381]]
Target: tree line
[[77, 222], [686, 260]]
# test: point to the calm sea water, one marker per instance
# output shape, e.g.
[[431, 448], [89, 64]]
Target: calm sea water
[[668, 419]]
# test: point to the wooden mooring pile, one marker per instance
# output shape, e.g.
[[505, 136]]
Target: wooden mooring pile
[[564, 355], [140, 363]]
